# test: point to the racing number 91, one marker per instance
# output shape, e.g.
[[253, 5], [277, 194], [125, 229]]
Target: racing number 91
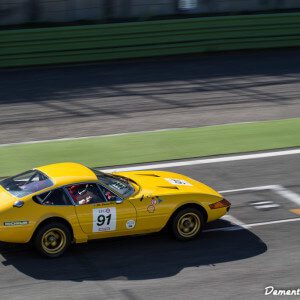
[[102, 218]]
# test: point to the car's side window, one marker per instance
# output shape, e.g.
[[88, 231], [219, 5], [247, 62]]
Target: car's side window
[[109, 196], [54, 197], [87, 193]]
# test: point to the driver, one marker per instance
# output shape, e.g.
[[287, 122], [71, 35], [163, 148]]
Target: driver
[[109, 196], [80, 194]]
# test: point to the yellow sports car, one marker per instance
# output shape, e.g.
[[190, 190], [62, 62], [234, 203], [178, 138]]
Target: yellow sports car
[[59, 204]]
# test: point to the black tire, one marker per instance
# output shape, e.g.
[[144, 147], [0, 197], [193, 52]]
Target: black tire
[[182, 224], [53, 239]]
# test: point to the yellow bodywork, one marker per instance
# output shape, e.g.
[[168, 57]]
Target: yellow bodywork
[[158, 194]]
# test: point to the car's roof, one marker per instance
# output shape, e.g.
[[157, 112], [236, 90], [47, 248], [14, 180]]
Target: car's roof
[[68, 173]]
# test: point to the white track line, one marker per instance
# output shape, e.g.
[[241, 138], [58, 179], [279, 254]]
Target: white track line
[[87, 137], [272, 222], [266, 206], [278, 189], [262, 203], [205, 161], [233, 220], [132, 132], [249, 189], [288, 194], [247, 226]]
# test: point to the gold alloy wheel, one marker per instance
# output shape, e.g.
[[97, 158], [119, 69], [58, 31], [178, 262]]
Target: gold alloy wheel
[[188, 225], [54, 240]]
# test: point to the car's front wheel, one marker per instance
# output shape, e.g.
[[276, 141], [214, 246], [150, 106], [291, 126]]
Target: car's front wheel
[[187, 224], [52, 239]]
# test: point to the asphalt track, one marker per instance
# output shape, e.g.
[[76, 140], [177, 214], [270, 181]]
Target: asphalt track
[[75, 101], [233, 264]]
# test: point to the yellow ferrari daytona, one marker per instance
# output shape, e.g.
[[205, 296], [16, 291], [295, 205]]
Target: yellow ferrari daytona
[[59, 204]]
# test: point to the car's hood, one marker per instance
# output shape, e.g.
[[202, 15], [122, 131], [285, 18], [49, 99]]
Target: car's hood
[[162, 183]]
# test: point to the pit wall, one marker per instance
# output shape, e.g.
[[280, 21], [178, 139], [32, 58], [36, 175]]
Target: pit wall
[[88, 43]]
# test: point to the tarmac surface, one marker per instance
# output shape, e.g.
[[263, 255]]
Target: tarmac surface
[[75, 101], [221, 264]]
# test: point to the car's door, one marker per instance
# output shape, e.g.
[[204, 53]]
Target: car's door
[[153, 212], [100, 212]]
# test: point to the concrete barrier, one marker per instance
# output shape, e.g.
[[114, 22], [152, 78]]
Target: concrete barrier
[[24, 11], [73, 44]]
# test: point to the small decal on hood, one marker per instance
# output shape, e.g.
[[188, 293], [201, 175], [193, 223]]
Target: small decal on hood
[[175, 181]]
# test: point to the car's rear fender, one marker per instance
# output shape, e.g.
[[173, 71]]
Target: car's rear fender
[[71, 221]]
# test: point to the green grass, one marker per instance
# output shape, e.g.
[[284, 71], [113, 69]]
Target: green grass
[[154, 146]]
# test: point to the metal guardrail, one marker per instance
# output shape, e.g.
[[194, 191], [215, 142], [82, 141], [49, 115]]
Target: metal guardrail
[[73, 44]]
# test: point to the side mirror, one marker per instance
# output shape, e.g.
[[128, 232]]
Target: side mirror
[[119, 200], [18, 204]]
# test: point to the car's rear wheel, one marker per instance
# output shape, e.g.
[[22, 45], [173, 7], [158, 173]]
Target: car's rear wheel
[[187, 224], [52, 239]]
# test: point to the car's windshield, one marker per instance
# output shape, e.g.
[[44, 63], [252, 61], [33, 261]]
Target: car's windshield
[[120, 185], [26, 183]]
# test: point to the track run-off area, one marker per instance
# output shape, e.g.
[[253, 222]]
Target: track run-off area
[[90, 100], [256, 245]]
